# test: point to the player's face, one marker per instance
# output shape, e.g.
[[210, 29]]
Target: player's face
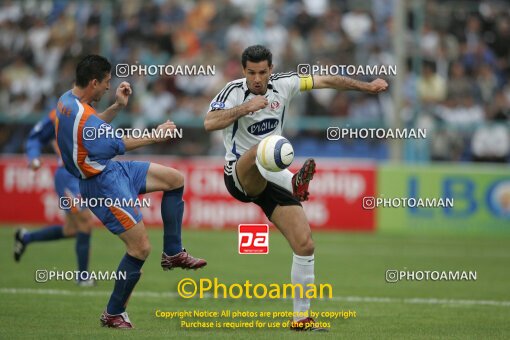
[[257, 76], [100, 87]]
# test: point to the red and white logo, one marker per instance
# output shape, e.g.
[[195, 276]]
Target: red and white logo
[[253, 239], [275, 105]]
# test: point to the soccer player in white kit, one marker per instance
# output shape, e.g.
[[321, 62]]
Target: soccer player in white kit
[[250, 109]]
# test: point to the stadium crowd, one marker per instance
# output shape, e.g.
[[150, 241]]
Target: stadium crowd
[[458, 89]]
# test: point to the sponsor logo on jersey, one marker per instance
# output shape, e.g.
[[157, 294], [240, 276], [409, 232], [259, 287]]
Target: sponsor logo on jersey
[[218, 105], [263, 127], [275, 105]]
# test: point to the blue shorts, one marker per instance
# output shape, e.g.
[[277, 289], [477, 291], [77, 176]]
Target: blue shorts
[[67, 187], [118, 181]]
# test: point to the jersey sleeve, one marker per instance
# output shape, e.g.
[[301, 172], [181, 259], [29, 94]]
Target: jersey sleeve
[[292, 83], [100, 140], [41, 134], [228, 97]]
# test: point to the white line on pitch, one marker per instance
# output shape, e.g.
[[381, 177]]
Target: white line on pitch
[[159, 295]]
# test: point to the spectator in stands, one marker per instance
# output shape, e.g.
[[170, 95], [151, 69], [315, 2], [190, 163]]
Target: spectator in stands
[[431, 86], [356, 24], [491, 141], [242, 33], [459, 85], [486, 83]]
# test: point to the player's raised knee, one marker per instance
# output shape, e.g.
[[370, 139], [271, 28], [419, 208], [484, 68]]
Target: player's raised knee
[[173, 180], [251, 154]]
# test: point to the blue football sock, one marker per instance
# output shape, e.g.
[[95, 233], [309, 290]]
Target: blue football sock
[[82, 248], [172, 209], [50, 233], [123, 288]]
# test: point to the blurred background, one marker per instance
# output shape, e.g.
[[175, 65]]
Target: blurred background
[[453, 60], [454, 73]]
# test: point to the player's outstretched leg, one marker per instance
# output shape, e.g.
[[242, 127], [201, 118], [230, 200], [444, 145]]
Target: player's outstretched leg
[[292, 222], [171, 182], [77, 224], [22, 238], [138, 249]]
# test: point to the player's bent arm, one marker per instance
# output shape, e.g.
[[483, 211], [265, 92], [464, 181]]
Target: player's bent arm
[[165, 132], [220, 119], [346, 83], [110, 113], [131, 143]]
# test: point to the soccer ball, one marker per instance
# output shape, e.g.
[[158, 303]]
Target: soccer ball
[[275, 153]]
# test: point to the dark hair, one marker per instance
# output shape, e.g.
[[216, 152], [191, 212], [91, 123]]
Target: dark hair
[[256, 54], [92, 67]]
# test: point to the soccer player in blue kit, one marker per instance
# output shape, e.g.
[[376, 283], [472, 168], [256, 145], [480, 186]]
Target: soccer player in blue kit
[[87, 152], [78, 222]]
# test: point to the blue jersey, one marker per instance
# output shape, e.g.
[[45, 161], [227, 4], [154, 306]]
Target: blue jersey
[[84, 147]]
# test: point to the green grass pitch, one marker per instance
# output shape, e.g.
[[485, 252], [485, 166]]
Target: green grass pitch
[[354, 264]]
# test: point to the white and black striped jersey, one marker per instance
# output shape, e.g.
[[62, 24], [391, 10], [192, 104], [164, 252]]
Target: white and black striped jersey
[[252, 128]]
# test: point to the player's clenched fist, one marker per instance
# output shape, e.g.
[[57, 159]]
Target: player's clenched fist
[[165, 131], [256, 103], [122, 94], [35, 164], [378, 85]]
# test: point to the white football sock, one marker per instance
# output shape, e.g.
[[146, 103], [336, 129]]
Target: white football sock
[[282, 178], [302, 273]]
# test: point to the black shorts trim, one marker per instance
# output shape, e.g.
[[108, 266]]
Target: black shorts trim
[[272, 195]]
